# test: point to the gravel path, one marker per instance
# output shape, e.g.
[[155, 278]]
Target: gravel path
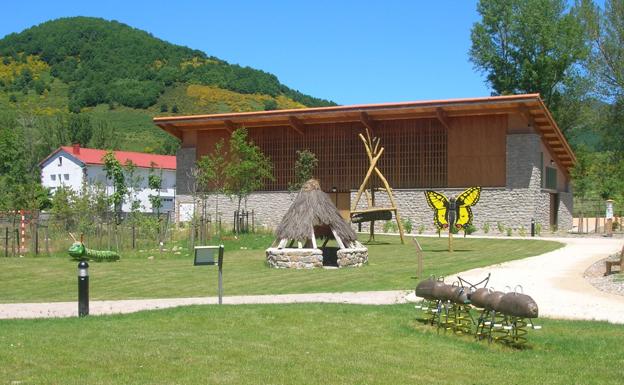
[[555, 280], [70, 309]]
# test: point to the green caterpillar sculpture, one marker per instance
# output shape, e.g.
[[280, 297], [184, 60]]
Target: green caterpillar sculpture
[[79, 252]]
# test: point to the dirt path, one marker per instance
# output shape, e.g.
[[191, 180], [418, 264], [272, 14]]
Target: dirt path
[[555, 280]]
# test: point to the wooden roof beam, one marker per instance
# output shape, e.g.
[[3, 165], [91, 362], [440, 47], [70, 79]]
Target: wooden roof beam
[[229, 126], [368, 122], [173, 130], [443, 117], [526, 112], [297, 125]]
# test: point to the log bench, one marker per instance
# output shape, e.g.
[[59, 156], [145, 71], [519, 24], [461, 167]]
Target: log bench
[[620, 262]]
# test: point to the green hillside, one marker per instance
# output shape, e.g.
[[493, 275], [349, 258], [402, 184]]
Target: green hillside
[[120, 77]]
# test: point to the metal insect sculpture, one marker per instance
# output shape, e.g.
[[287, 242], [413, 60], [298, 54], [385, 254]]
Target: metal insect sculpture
[[503, 317], [79, 252], [449, 213]]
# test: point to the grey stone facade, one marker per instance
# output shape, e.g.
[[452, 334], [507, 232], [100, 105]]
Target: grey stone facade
[[512, 206]]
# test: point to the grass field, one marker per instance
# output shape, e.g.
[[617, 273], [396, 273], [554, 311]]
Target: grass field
[[296, 344], [391, 266]]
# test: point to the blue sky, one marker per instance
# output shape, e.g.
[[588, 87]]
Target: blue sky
[[347, 51]]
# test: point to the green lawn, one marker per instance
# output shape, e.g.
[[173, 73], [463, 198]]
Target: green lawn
[[296, 344], [391, 266]]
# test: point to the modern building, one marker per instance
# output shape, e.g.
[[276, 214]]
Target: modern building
[[509, 145], [70, 166]]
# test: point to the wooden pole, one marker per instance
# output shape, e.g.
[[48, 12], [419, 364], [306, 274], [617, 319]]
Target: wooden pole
[[419, 256], [450, 240], [371, 238]]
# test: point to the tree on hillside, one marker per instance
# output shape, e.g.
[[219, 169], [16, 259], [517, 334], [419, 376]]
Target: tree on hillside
[[247, 167], [528, 46]]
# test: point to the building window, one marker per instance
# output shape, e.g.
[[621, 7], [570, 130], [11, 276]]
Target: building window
[[60, 161], [53, 177], [66, 176], [551, 178]]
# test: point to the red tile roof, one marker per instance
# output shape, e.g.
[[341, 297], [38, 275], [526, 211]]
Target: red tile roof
[[140, 159]]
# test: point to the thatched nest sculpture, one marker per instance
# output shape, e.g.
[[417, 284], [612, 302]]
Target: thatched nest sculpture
[[313, 215]]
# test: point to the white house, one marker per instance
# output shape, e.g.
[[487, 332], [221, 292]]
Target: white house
[[69, 165]]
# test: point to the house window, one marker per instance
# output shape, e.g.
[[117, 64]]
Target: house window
[[66, 176], [60, 161], [53, 177]]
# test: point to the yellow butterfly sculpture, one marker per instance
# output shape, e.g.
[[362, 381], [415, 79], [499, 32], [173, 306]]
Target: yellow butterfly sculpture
[[455, 211]]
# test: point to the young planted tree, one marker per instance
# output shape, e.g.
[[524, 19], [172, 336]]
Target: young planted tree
[[211, 176], [304, 169], [133, 181], [115, 173], [247, 167], [154, 182]]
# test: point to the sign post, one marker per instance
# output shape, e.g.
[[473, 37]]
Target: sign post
[[609, 218], [205, 255]]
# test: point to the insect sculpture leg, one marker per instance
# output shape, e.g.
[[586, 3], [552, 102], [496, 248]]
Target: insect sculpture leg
[[517, 331]]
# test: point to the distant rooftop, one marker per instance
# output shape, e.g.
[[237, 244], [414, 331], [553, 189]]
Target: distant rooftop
[[140, 159]]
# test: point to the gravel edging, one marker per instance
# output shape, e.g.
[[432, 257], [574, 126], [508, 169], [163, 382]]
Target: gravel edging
[[613, 283]]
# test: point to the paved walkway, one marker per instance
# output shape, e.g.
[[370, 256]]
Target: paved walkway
[[554, 279]]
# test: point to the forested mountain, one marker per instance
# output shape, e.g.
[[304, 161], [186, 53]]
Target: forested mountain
[[119, 77]]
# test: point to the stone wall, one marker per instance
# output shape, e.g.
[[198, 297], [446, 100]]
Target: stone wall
[[290, 258], [294, 258], [565, 211], [352, 257]]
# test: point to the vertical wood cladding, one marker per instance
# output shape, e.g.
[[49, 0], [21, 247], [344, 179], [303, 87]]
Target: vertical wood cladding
[[414, 155], [476, 151], [419, 153]]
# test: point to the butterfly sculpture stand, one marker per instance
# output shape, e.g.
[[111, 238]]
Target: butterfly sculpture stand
[[453, 212], [372, 212]]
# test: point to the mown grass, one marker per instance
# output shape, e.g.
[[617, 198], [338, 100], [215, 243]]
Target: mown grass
[[391, 266], [296, 344]]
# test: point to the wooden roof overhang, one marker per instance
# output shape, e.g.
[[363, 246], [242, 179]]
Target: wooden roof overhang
[[530, 106]]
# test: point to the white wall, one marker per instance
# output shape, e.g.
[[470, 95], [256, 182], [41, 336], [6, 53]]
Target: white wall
[[62, 165], [96, 174], [76, 171]]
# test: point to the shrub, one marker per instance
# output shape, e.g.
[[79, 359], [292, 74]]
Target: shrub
[[501, 227], [163, 108], [454, 230], [486, 227], [469, 229], [421, 229], [407, 225], [509, 231], [538, 228], [522, 231], [390, 227]]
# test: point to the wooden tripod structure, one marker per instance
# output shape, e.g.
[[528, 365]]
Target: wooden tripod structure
[[374, 152]]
